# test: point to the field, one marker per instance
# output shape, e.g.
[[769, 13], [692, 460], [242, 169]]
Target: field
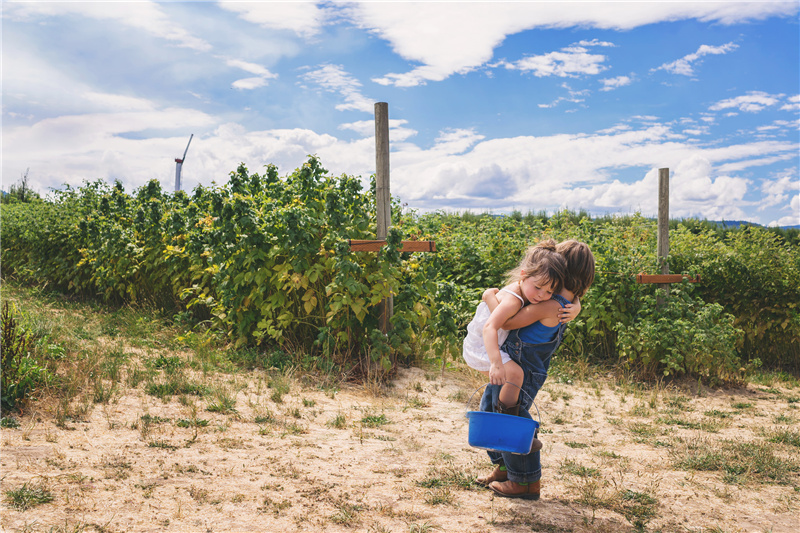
[[154, 428]]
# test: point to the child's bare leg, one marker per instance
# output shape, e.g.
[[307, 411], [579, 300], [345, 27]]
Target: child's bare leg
[[509, 393]]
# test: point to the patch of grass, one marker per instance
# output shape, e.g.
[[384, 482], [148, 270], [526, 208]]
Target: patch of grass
[[785, 436], [338, 422], [446, 475], [439, 496], [374, 421], [223, 401], [739, 462], [573, 444], [418, 402], [175, 387], [280, 387], [717, 414], [573, 468], [741, 406], [164, 445], [639, 508], [459, 396], [150, 419], [191, 423], [27, 497], [678, 402]]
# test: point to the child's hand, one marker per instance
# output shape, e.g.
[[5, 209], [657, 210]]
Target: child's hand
[[569, 312], [489, 293], [497, 374]]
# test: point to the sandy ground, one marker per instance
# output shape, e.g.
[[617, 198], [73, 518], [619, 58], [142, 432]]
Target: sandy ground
[[391, 460]]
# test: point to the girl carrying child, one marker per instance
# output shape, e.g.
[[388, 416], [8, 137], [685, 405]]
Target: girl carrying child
[[536, 334], [539, 275]]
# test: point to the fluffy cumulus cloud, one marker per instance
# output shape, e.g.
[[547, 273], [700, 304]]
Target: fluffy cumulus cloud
[[685, 65]]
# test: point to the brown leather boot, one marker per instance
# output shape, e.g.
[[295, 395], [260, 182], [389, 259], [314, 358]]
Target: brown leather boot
[[496, 475], [510, 410], [510, 489]]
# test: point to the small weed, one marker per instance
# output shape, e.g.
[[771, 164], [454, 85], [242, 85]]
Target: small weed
[[279, 388], [309, 403], [458, 396], [741, 406], [164, 445], [573, 444], [27, 497], [191, 423], [439, 496], [338, 422], [714, 413], [571, 467], [373, 421], [418, 402]]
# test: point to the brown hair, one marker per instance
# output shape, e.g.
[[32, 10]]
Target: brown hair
[[580, 266], [541, 261]]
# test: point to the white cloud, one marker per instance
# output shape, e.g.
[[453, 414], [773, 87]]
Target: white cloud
[[447, 38], [684, 65], [752, 102], [260, 80], [333, 78], [777, 190], [303, 18], [141, 15], [609, 84], [569, 62], [793, 105], [793, 219], [249, 83], [366, 128]]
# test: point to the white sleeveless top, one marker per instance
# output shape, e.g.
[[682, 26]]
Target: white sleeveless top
[[474, 351]]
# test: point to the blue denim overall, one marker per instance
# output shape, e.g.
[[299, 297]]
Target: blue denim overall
[[535, 361]]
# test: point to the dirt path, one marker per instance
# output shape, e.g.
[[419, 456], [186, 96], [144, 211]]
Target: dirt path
[[349, 460]]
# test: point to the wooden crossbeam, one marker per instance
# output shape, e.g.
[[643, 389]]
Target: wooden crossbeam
[[665, 278], [362, 245]]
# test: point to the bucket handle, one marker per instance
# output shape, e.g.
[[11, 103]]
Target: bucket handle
[[538, 415]]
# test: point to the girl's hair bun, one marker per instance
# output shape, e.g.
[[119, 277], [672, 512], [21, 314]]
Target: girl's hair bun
[[547, 244]]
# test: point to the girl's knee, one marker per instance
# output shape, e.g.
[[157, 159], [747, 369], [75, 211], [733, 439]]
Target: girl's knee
[[514, 373]]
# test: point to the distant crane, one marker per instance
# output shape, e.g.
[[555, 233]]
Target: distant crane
[[179, 164]]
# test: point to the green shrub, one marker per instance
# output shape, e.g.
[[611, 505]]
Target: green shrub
[[683, 335], [21, 373]]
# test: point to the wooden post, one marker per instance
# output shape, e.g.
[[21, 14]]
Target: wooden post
[[383, 199], [663, 227]]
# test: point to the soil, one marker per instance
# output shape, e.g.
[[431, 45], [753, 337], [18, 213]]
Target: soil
[[396, 458]]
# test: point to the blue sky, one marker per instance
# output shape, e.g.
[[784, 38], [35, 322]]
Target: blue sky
[[493, 106]]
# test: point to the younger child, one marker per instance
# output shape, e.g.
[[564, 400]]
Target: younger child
[[540, 273]]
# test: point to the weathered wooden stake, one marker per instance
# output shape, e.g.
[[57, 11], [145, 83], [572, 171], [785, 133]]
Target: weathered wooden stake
[[383, 199], [663, 228]]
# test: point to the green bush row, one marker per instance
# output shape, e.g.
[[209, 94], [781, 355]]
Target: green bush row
[[266, 260]]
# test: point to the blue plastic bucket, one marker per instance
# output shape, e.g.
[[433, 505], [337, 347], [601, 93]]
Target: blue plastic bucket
[[501, 432]]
